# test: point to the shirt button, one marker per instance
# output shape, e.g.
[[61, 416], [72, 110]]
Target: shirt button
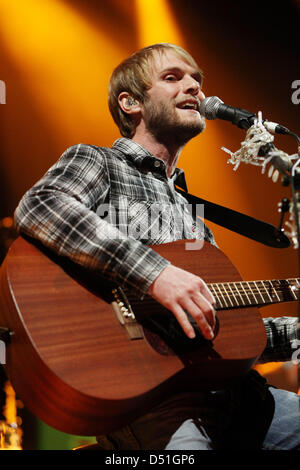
[[157, 164]]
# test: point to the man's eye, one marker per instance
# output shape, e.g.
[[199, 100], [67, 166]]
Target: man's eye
[[170, 78]]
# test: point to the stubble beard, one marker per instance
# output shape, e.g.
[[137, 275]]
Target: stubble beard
[[166, 126]]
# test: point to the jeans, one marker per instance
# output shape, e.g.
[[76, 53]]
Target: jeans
[[284, 431], [214, 421]]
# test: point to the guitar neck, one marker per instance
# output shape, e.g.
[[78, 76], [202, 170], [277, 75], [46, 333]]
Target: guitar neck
[[254, 293]]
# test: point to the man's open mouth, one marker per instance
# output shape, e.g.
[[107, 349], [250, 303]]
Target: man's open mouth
[[190, 104]]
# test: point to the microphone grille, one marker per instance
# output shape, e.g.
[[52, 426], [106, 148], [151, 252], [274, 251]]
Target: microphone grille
[[209, 107]]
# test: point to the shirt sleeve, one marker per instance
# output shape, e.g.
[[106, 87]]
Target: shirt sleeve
[[281, 339], [60, 212]]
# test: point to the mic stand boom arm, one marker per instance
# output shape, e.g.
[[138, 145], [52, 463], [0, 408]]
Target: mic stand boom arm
[[258, 149], [291, 176]]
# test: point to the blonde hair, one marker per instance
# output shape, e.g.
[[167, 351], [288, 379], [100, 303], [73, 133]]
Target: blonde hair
[[133, 75]]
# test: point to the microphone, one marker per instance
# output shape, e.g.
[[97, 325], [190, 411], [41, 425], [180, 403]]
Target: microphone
[[214, 108]]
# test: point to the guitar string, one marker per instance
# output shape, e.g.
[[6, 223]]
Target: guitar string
[[269, 292]]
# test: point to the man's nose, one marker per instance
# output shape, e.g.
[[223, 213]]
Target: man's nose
[[192, 86]]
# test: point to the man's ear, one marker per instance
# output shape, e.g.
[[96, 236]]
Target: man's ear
[[128, 104]]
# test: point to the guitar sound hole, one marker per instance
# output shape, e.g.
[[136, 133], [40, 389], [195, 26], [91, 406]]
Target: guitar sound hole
[[166, 336]]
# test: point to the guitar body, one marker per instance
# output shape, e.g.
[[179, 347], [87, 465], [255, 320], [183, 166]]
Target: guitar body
[[72, 362]]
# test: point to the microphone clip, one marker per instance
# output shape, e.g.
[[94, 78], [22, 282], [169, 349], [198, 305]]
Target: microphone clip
[[257, 137]]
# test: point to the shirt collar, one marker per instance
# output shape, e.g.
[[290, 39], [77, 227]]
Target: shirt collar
[[142, 158]]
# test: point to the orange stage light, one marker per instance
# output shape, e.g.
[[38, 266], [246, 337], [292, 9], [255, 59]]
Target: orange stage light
[[156, 23], [64, 62]]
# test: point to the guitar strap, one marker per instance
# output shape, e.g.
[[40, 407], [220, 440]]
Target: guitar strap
[[242, 224]]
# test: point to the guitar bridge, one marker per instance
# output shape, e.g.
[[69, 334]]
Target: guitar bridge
[[125, 315]]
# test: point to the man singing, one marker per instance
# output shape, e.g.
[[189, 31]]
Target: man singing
[[154, 98]]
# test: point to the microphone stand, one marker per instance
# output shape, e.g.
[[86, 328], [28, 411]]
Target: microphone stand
[[290, 177], [258, 149], [295, 185]]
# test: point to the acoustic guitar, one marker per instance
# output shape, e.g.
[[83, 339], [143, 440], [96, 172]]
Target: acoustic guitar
[[86, 356]]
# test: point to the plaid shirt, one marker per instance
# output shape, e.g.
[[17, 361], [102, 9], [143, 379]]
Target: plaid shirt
[[93, 206]]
